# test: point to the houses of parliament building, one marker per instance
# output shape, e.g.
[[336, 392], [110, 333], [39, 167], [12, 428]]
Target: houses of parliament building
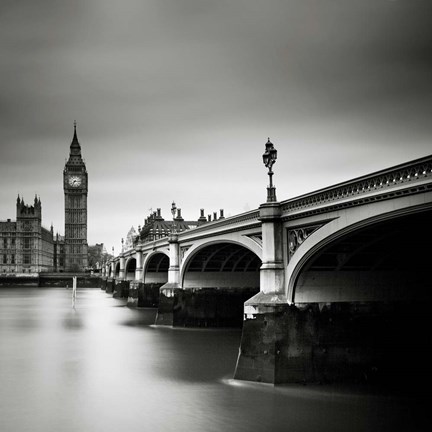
[[26, 246]]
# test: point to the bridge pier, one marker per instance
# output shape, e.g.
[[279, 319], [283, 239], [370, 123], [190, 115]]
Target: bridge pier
[[121, 288], [112, 269], [264, 314], [202, 307], [171, 291], [110, 285], [350, 342], [263, 335], [133, 293], [272, 272], [143, 294], [104, 280], [136, 285], [122, 274], [139, 265]]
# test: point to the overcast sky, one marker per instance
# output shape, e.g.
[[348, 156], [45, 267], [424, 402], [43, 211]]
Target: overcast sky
[[175, 99]]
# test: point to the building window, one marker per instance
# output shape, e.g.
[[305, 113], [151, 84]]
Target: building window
[[26, 259], [4, 259], [5, 243], [13, 259], [26, 243], [13, 242]]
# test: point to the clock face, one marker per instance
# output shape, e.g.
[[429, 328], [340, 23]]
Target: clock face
[[75, 181]]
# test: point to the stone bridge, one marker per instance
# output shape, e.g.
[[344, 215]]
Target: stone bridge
[[333, 285]]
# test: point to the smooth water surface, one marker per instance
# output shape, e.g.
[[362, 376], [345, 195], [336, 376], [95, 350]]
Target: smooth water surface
[[105, 367]]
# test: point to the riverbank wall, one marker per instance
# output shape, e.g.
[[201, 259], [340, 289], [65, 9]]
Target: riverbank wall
[[84, 280], [31, 280]]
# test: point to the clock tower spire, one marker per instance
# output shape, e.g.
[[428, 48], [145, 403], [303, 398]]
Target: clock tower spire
[[75, 186]]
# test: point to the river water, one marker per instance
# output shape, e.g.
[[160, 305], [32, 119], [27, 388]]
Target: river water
[[105, 367]]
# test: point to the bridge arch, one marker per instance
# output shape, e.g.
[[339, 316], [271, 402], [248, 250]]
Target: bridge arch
[[130, 268], [222, 263], [155, 267], [242, 240], [373, 259]]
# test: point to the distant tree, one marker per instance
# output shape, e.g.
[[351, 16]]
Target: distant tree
[[95, 255]]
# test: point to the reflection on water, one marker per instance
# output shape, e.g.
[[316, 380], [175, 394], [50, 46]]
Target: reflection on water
[[72, 320], [105, 367]]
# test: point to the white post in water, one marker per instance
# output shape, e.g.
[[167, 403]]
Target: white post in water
[[74, 286]]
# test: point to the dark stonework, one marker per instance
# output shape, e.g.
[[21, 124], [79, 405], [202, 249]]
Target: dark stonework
[[206, 307], [168, 299], [382, 344], [109, 286], [148, 295], [133, 294], [63, 280], [10, 281], [58, 280], [103, 285], [121, 289], [143, 295]]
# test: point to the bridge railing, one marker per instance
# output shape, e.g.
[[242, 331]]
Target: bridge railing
[[410, 172]]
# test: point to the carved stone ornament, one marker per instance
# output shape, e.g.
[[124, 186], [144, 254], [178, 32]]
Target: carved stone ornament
[[297, 236]]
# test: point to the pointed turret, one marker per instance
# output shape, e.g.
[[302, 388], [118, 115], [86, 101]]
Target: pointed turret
[[75, 148], [75, 157]]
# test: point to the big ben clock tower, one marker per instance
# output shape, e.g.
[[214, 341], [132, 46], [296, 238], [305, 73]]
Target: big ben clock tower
[[75, 185]]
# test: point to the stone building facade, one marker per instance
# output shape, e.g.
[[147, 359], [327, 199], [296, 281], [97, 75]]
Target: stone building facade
[[25, 245], [156, 227]]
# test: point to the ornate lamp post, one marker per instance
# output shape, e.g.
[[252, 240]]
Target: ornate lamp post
[[269, 158], [173, 212]]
